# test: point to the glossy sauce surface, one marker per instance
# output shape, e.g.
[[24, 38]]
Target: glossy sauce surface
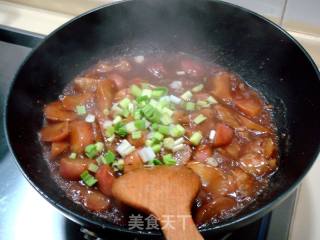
[[235, 156]]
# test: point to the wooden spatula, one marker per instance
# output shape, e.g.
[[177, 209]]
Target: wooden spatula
[[167, 193]]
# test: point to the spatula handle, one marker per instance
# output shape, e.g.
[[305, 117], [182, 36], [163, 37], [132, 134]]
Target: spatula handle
[[180, 227]]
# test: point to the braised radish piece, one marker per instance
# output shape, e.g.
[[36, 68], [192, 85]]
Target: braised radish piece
[[223, 135], [132, 162], [71, 102], [95, 201], [57, 148], [54, 132], [218, 208], [153, 131], [202, 153], [85, 84], [81, 135], [118, 80], [71, 169], [250, 107], [56, 112], [105, 179], [104, 94], [221, 85]]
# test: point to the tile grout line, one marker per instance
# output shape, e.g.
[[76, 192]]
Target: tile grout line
[[283, 12]]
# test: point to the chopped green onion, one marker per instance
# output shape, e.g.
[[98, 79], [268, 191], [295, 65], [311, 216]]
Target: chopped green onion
[[135, 90], [106, 111], [73, 155], [146, 92], [93, 167], [108, 158], [166, 120], [177, 131], [164, 129], [91, 150], [81, 110], [156, 148], [137, 114], [196, 137], [118, 165], [202, 104], [167, 111], [212, 100], [99, 146], [117, 119], [157, 162], [124, 102], [125, 148], [159, 92], [186, 96], [125, 113], [190, 106], [136, 135], [179, 141], [141, 99], [120, 129], [109, 131], [164, 101], [168, 143], [140, 124], [197, 88], [131, 127], [88, 179], [199, 119], [155, 126], [168, 159], [149, 142], [177, 147], [151, 113], [158, 136], [146, 154]]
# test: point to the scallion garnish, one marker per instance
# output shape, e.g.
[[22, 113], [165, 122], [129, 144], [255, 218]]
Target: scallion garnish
[[190, 106], [124, 102], [93, 167], [164, 129], [136, 135], [159, 92], [73, 155], [109, 131], [108, 158], [176, 130], [156, 147], [186, 96], [81, 110], [196, 137], [125, 148], [91, 150], [168, 143], [120, 129], [88, 179], [197, 88], [199, 119], [157, 136], [168, 159], [135, 90], [140, 124]]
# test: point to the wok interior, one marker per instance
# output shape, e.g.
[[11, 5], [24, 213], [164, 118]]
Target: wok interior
[[260, 53]]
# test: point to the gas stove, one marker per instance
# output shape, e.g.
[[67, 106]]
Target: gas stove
[[24, 214]]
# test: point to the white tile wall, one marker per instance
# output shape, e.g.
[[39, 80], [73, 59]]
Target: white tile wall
[[303, 16], [272, 9]]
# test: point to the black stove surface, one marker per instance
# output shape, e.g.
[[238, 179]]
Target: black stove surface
[[24, 214]]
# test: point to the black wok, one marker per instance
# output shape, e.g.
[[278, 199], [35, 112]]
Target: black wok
[[258, 50]]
